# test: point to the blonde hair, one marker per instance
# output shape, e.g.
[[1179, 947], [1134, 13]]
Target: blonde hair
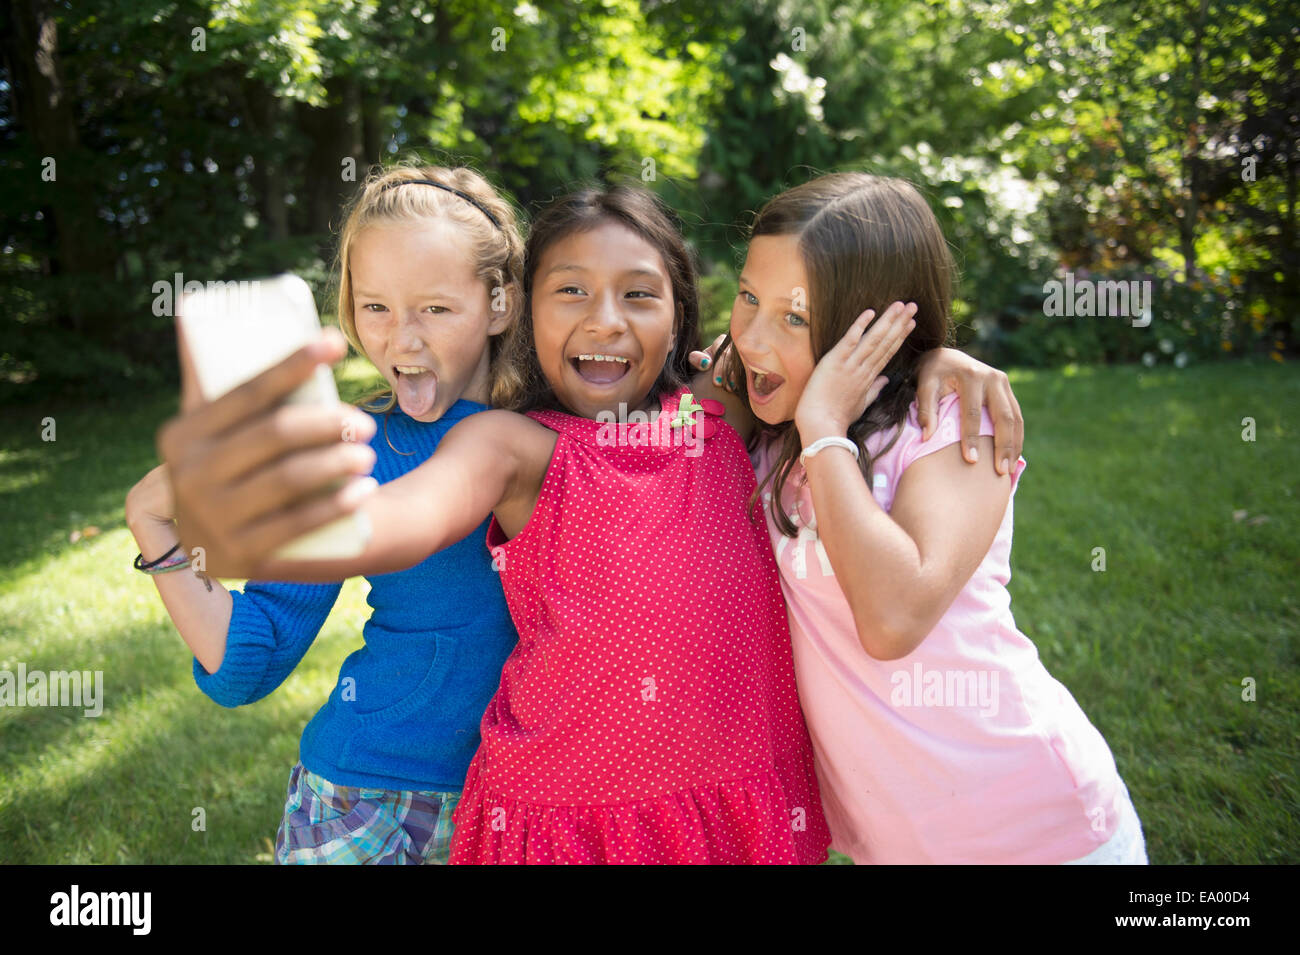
[[497, 251]]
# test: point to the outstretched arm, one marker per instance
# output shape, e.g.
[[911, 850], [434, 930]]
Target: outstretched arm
[[482, 463], [250, 474]]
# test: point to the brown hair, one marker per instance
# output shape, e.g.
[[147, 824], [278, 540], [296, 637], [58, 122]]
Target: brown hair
[[866, 241], [641, 211], [497, 250]]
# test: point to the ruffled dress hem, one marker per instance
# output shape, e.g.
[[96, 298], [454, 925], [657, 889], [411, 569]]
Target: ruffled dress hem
[[741, 821]]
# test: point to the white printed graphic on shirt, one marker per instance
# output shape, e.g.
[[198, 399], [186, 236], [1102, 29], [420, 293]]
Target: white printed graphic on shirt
[[807, 536], [880, 489]]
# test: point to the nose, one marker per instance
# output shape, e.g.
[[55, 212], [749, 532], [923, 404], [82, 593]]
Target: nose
[[605, 316], [407, 337], [748, 332]]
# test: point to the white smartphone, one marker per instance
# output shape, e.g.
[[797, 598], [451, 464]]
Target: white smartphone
[[237, 330]]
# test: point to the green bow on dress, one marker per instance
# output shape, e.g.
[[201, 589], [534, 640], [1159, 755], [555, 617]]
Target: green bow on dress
[[686, 409]]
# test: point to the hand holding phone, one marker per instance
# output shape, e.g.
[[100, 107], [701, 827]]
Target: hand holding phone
[[232, 336]]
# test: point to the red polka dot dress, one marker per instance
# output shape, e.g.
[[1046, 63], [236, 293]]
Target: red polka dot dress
[[648, 713]]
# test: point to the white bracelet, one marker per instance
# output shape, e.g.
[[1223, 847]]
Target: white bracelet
[[821, 443]]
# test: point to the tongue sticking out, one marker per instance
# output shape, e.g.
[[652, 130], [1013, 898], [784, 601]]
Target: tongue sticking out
[[601, 372], [766, 384], [415, 393]]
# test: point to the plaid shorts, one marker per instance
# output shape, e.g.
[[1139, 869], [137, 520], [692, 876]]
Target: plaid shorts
[[325, 824]]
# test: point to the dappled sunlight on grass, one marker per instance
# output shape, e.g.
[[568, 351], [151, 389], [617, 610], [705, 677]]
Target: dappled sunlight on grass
[[1201, 554], [1150, 466]]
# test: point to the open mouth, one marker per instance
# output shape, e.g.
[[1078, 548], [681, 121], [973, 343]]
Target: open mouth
[[598, 369], [763, 383], [416, 389]]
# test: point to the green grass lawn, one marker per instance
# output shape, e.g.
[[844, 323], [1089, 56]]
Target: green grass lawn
[[1148, 464]]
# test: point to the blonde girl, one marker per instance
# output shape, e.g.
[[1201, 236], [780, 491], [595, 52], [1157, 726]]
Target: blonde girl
[[429, 290]]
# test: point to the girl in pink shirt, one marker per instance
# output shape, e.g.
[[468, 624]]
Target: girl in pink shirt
[[939, 735]]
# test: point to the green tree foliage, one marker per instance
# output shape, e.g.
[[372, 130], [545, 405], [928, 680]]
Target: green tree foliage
[[217, 138], [214, 139]]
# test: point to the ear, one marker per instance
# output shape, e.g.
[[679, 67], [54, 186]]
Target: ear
[[679, 315], [500, 318]]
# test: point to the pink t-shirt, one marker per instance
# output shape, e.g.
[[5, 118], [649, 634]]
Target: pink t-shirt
[[964, 751]]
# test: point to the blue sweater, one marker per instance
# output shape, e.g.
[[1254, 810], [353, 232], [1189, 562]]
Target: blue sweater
[[405, 712]]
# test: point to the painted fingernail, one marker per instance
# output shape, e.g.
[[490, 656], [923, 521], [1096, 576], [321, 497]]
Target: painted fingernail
[[974, 454], [1006, 465], [706, 361], [717, 379]]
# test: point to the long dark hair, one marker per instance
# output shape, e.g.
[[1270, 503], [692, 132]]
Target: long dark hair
[[641, 211], [866, 241]]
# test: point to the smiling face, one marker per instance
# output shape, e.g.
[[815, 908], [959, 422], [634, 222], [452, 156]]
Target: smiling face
[[770, 327], [603, 319], [423, 315]]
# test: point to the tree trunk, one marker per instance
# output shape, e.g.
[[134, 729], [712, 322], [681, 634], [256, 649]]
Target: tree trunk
[[79, 252], [269, 178], [335, 132], [1192, 155]]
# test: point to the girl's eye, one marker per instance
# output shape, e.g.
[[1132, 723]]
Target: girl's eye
[[796, 320], [372, 307], [748, 297], [569, 290], [641, 292], [438, 309]]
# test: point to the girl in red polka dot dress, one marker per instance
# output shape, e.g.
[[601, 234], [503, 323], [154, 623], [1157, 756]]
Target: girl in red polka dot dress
[[648, 713]]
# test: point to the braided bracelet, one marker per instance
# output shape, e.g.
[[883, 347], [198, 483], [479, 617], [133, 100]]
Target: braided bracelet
[[179, 562], [148, 565]]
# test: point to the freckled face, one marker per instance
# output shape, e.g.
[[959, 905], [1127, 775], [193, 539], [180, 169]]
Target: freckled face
[[770, 327], [603, 319], [422, 315]]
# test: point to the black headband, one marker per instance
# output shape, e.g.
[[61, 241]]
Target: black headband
[[464, 195]]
